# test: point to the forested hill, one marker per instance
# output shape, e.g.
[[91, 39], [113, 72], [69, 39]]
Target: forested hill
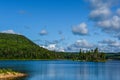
[[11, 40], [13, 46]]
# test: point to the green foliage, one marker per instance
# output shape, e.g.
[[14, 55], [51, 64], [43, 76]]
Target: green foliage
[[92, 55], [96, 51], [6, 71], [14, 46]]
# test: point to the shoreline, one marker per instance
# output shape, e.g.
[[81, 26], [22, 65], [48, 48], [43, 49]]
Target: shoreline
[[11, 75], [53, 60]]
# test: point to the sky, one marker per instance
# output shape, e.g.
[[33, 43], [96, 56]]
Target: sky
[[64, 25]]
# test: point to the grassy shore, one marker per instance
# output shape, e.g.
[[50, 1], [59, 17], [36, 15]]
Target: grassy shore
[[8, 73]]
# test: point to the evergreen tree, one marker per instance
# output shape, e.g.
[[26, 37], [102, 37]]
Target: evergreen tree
[[96, 50]]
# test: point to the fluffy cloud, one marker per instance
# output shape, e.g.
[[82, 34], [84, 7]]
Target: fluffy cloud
[[43, 32], [9, 32], [100, 14], [76, 46], [51, 47], [80, 44], [80, 29], [61, 49], [103, 17], [54, 47], [106, 45], [110, 24], [107, 41], [83, 43], [109, 45], [100, 9]]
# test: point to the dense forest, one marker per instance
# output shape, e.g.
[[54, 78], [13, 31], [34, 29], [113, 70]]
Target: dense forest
[[13, 46]]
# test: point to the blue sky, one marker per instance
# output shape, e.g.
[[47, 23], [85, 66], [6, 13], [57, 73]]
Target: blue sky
[[64, 25]]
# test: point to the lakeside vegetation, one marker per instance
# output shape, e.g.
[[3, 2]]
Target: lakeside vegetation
[[92, 55], [9, 73], [18, 47]]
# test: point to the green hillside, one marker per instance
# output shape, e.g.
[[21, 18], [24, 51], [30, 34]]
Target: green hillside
[[13, 46]]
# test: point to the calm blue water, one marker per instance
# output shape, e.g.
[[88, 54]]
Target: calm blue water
[[65, 70]]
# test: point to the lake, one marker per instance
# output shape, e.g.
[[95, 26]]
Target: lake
[[65, 70]]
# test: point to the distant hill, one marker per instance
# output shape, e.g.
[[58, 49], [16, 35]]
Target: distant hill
[[19, 41], [13, 46], [113, 56]]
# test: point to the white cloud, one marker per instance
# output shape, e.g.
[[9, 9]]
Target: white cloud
[[43, 32], [100, 9], [60, 49], [100, 14], [103, 17], [95, 4], [54, 47], [110, 24], [106, 45], [83, 43], [109, 45], [51, 47], [80, 29], [9, 32], [107, 41], [80, 44], [116, 44]]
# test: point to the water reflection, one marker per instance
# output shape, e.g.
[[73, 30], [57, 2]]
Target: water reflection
[[65, 70]]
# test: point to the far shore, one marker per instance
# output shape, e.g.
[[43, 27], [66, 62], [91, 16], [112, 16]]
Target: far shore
[[50, 60]]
